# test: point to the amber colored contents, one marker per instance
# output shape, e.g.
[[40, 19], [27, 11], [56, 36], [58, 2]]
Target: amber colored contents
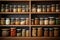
[[36, 21], [2, 21], [27, 21]]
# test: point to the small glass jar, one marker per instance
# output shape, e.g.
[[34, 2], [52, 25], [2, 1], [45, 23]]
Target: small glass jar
[[48, 8], [6, 8], [2, 21], [36, 21], [7, 21], [2, 8], [51, 32], [39, 8], [23, 32], [51, 21], [32, 21], [46, 33], [14, 8], [57, 21], [23, 21], [53, 8], [27, 21], [27, 33], [46, 21], [17, 21], [43, 8], [56, 32], [27, 8], [41, 21], [12, 21], [19, 32], [5, 32], [23, 8], [57, 7], [10, 8], [33, 8]]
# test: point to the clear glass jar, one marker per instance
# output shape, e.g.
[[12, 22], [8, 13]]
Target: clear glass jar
[[6, 8], [27, 33], [36, 21], [27, 8], [48, 8], [33, 8], [23, 21], [27, 21], [7, 21], [23, 8], [57, 7], [43, 8], [12, 21], [23, 32], [53, 8], [32, 21], [39, 8], [2, 21], [14, 8], [10, 8], [17, 21], [57, 21], [41, 21], [46, 21], [51, 21], [2, 8]]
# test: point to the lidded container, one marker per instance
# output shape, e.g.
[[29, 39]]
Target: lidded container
[[14, 8], [36, 21], [27, 21], [43, 8], [57, 21], [23, 8], [32, 21], [2, 8], [12, 21], [2, 21], [33, 8], [57, 7], [48, 8], [53, 8], [6, 8], [39, 8], [7, 21]]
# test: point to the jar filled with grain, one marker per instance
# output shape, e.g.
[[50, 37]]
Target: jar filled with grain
[[43, 8], [53, 8], [23, 32], [41, 21], [33, 8], [27, 8], [48, 8], [27, 21], [10, 8], [14, 8], [57, 7], [51, 21], [36, 21], [6, 8], [46, 21], [23, 8], [2, 8], [12, 21], [7, 21], [2, 21], [32, 21], [39, 8], [27, 33]]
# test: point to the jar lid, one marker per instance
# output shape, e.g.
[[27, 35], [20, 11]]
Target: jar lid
[[13, 28], [22, 18], [39, 28], [48, 5], [41, 18], [50, 28], [45, 28], [56, 28], [17, 18], [52, 4], [45, 18], [18, 29], [32, 19], [27, 18], [36, 18], [43, 5], [51, 17], [38, 5], [33, 28]]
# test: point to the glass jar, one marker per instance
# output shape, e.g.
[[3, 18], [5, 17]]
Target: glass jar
[[27, 33], [36, 21], [32, 21], [23, 8], [46, 33], [13, 32], [10, 8], [56, 32], [17, 21], [23, 21], [14, 8], [5, 32], [2, 21], [27, 21], [41, 21], [23, 32], [46, 21], [51, 32], [53, 8], [57, 7], [33, 8], [34, 32], [57, 21], [48, 8], [19, 8], [19, 32], [12, 21], [27, 8], [6, 8], [39, 8], [43, 8], [39, 32], [51, 21], [2, 8], [7, 21]]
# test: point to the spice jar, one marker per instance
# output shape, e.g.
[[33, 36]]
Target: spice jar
[[41, 21], [5, 32], [36, 21], [17, 21], [23, 8], [57, 7], [57, 21], [48, 8], [34, 32], [12, 21], [6, 8], [53, 8], [27, 8], [19, 8], [27, 21], [39, 32], [46, 32], [45, 21], [56, 32], [51, 32], [11, 8], [39, 8], [19, 33], [23, 32], [2, 21], [2, 8], [51, 21], [14, 8], [32, 21], [33, 8], [23, 21], [13, 32], [27, 33], [43, 8], [7, 21]]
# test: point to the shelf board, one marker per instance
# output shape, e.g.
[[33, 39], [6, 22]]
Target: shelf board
[[14, 12], [45, 12], [14, 0], [45, 0]]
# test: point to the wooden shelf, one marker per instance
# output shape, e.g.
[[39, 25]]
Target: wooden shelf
[[14, 0], [14, 12], [45, 0]]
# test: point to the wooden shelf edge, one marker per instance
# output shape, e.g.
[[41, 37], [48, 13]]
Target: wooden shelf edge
[[14, 0], [45, 0]]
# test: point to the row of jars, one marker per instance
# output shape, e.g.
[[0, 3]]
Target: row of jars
[[14, 21], [13, 32], [45, 21], [45, 8], [46, 32], [14, 8]]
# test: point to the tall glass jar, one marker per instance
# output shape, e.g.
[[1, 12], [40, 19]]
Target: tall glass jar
[[27, 33], [43, 8], [23, 32], [12, 21], [23, 8], [57, 7], [36, 21], [6, 8], [53, 8], [2, 8], [51, 21], [27, 21], [2, 21], [48, 8], [27, 8], [14, 8], [33, 8], [7, 21], [39, 8], [10, 8], [32, 21], [57, 21]]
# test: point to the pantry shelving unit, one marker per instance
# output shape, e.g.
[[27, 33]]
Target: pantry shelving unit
[[30, 2]]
